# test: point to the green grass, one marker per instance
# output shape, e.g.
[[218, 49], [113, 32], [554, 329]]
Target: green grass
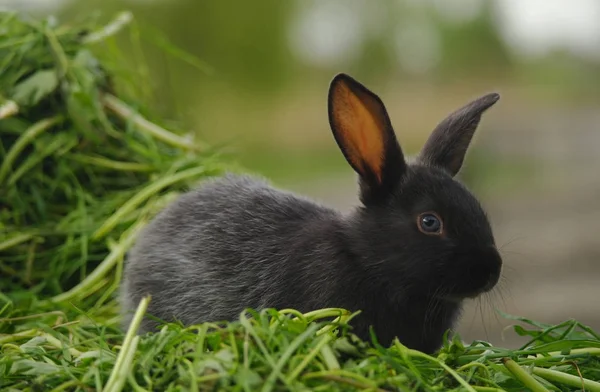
[[84, 164], [276, 351]]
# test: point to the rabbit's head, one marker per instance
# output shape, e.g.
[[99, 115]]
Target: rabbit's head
[[419, 230]]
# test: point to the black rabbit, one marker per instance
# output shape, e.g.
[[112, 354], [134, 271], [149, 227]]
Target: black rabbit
[[419, 244]]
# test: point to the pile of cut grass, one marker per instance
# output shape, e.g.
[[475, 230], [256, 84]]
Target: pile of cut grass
[[82, 161], [83, 165]]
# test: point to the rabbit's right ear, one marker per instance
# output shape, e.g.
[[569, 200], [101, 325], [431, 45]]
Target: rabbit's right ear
[[449, 141], [364, 133]]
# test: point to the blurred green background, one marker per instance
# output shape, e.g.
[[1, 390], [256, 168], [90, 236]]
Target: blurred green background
[[261, 94]]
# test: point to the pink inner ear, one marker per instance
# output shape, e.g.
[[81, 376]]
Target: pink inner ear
[[360, 128]]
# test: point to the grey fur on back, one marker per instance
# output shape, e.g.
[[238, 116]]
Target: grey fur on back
[[234, 242]]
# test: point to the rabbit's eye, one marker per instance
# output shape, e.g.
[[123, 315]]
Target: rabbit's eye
[[430, 223]]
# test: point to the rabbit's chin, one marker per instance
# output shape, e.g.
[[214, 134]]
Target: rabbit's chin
[[459, 298]]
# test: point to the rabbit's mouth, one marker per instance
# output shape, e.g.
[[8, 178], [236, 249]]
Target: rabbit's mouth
[[489, 279], [455, 299], [475, 272]]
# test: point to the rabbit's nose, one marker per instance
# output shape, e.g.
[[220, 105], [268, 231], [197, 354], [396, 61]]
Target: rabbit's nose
[[493, 262], [491, 282]]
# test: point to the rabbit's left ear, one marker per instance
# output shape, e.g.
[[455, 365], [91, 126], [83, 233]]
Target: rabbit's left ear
[[363, 131], [448, 143]]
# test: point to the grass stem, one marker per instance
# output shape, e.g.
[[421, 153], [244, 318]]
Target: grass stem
[[143, 195], [118, 376], [524, 377], [567, 379], [418, 354], [14, 241], [26, 137], [102, 269], [121, 109]]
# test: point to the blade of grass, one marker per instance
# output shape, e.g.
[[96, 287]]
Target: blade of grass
[[418, 354], [276, 372]]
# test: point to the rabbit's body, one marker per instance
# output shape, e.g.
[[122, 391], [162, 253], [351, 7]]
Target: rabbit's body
[[406, 258], [236, 242]]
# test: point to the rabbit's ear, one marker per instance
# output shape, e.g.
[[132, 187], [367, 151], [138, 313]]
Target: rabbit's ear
[[364, 133], [448, 143]]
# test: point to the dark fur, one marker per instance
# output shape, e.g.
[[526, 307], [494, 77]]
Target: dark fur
[[237, 242]]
